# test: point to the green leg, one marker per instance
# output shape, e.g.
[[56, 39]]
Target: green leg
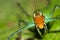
[[19, 26], [54, 8], [52, 12], [21, 21], [52, 19], [21, 29], [19, 34], [23, 10], [55, 18]]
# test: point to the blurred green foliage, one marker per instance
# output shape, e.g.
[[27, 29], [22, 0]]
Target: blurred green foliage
[[9, 21]]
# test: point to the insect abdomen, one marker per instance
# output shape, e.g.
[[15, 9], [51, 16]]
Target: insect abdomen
[[39, 21]]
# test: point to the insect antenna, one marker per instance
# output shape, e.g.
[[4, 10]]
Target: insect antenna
[[35, 4]]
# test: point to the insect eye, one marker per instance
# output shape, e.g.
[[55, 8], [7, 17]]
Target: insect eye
[[34, 15], [40, 13], [37, 14]]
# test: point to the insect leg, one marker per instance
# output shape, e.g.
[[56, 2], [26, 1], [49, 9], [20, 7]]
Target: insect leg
[[39, 32], [21, 29], [55, 8], [55, 18], [19, 26], [19, 21], [23, 10], [52, 19]]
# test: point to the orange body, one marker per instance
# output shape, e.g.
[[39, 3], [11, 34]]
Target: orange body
[[39, 21]]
